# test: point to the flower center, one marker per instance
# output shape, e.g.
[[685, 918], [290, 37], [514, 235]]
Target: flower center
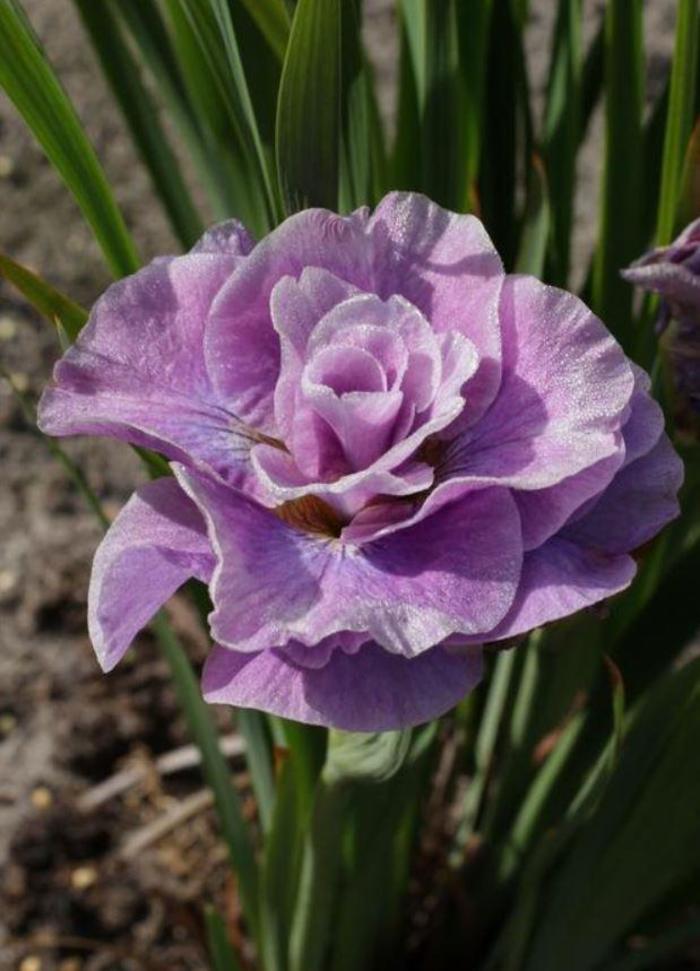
[[311, 515]]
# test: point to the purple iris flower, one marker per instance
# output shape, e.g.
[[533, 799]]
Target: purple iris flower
[[674, 272], [386, 453]]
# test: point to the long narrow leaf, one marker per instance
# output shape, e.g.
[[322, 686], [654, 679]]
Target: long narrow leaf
[[243, 101], [474, 17], [406, 160], [620, 230], [253, 728], [123, 75], [445, 171], [142, 19], [507, 128], [308, 111], [562, 124], [59, 308], [31, 84], [223, 957], [679, 119], [280, 868], [535, 232], [272, 18], [689, 202], [233, 825], [357, 117], [642, 843], [499, 691], [592, 79], [202, 56]]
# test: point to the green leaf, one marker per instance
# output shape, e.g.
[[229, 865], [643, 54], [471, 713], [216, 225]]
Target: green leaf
[[355, 763], [378, 851], [500, 686], [223, 957], [689, 201], [441, 98], [642, 842], [406, 159], [124, 77], [533, 239], [307, 745], [668, 620], [507, 135], [309, 107], [243, 103], [254, 730], [445, 175], [202, 57], [281, 867], [234, 827], [360, 125], [474, 18], [59, 309], [562, 124], [527, 823], [679, 119], [620, 239], [174, 79], [272, 18], [316, 901], [592, 79], [555, 668], [31, 84], [262, 70]]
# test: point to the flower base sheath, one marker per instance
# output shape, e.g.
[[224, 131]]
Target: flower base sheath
[[386, 453]]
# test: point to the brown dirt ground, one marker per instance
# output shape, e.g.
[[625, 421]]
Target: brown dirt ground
[[68, 900]]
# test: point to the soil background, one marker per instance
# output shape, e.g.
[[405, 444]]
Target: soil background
[[72, 897]]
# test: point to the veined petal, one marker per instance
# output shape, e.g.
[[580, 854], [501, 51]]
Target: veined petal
[[455, 572], [369, 691], [640, 501], [544, 512], [156, 543], [137, 371], [559, 579], [562, 401]]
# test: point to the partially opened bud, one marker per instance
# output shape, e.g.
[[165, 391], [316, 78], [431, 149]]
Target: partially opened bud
[[674, 273]]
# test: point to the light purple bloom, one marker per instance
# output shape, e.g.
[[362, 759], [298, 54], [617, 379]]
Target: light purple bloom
[[674, 273], [386, 454]]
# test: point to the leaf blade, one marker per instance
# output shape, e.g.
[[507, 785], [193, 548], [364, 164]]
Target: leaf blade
[[50, 302], [124, 77], [30, 83], [620, 219], [308, 109], [536, 226], [679, 118]]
